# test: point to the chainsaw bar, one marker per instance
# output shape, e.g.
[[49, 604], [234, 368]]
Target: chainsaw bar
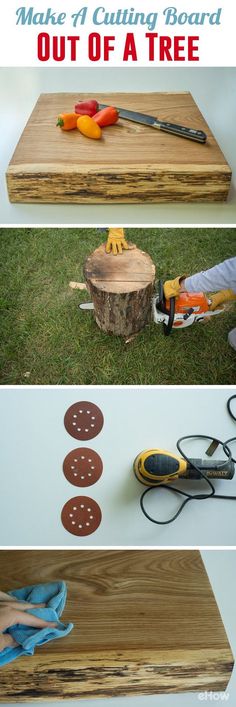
[[86, 305]]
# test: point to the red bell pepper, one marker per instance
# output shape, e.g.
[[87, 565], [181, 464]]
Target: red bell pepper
[[87, 107]]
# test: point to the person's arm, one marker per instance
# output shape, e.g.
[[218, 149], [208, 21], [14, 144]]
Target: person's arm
[[220, 277]]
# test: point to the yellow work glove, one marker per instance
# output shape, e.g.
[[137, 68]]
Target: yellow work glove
[[220, 297], [116, 241], [172, 288]]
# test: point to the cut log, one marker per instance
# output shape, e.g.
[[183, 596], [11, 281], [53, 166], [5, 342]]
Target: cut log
[[121, 288]]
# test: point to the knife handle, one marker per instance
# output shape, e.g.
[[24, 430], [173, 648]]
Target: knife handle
[[181, 131]]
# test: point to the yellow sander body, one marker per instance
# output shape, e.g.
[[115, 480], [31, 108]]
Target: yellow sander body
[[156, 466]]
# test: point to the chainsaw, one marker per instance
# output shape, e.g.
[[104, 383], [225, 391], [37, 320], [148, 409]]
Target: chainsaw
[[182, 311], [176, 312]]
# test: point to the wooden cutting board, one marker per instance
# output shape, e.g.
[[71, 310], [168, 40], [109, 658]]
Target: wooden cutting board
[[145, 622], [132, 162]]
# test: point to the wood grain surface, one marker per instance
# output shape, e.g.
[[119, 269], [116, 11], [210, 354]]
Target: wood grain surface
[[131, 163], [121, 289], [145, 622]]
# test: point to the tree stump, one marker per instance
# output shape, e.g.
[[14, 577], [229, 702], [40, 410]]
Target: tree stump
[[121, 288]]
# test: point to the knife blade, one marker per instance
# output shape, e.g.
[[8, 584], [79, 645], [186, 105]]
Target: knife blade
[[172, 128]]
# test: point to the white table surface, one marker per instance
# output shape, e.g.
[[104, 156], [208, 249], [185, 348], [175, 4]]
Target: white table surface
[[213, 89], [221, 569], [34, 444]]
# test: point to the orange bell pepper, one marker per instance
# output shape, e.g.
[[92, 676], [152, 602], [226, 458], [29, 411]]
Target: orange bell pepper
[[67, 121]]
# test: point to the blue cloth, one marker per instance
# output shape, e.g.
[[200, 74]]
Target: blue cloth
[[54, 595]]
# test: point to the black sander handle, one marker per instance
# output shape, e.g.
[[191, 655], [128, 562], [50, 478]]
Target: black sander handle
[[211, 469]]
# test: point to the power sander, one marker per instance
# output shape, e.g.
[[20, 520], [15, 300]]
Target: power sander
[[157, 468], [182, 311]]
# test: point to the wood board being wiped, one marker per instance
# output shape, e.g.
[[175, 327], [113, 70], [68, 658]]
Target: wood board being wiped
[[145, 622], [132, 163]]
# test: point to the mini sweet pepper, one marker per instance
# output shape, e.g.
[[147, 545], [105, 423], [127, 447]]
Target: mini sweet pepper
[[87, 107]]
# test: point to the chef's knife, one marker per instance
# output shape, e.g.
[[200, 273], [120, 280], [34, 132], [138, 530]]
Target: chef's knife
[[180, 130]]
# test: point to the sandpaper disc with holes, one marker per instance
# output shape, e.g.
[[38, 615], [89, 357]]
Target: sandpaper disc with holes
[[83, 420], [82, 467], [81, 515]]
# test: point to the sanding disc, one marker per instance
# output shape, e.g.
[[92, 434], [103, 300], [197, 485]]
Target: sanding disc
[[83, 420], [82, 467], [81, 515]]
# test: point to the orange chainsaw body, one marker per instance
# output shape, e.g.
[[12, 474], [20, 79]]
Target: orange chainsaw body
[[189, 300], [182, 311], [186, 301]]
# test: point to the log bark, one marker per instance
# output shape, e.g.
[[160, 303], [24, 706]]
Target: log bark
[[121, 288]]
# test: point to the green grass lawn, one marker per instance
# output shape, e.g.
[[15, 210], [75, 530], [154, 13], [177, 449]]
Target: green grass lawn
[[46, 339]]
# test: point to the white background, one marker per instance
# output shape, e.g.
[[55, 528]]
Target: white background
[[214, 90], [18, 44], [34, 444], [221, 569]]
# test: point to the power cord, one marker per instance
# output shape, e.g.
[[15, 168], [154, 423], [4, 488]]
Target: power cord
[[200, 496]]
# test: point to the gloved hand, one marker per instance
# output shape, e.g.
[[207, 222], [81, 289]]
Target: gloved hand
[[220, 297], [116, 241], [172, 288]]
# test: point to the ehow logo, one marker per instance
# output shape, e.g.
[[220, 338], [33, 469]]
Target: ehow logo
[[214, 696]]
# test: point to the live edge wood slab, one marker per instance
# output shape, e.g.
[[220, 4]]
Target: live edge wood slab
[[132, 163], [145, 622]]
